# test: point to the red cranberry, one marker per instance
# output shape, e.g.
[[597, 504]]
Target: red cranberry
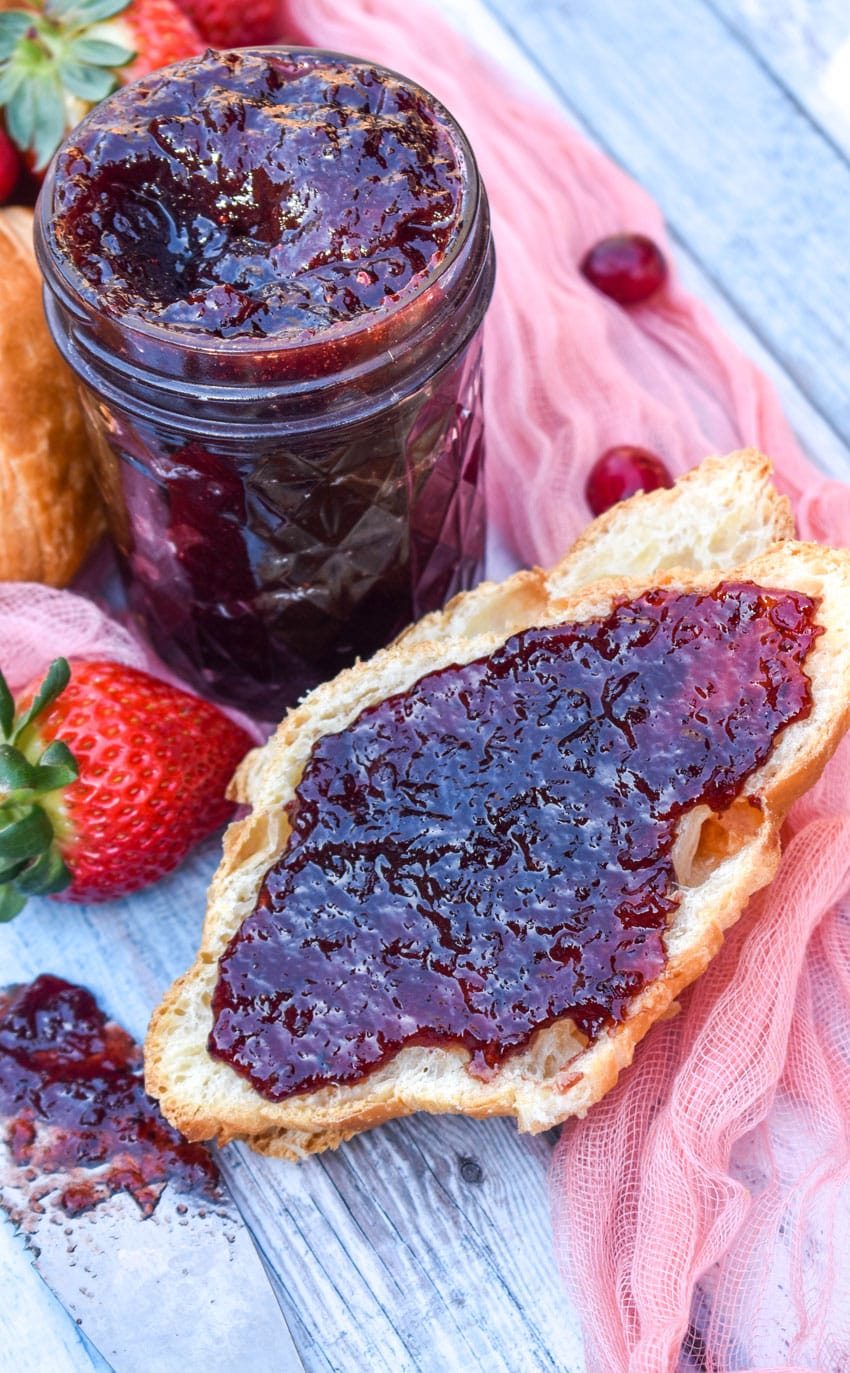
[[627, 267], [10, 166], [620, 472]]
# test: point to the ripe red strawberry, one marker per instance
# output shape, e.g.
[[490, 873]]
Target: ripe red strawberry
[[58, 58], [10, 167], [226, 24], [108, 777], [158, 32]]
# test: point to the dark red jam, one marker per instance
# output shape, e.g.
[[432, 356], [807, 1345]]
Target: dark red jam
[[76, 1120], [258, 194], [492, 849], [262, 570], [268, 269]]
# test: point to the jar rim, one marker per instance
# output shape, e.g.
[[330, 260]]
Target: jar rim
[[81, 297]]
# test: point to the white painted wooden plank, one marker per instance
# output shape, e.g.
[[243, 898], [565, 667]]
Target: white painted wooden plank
[[36, 1335], [819, 440], [806, 44], [385, 1255], [459, 1246], [757, 195]]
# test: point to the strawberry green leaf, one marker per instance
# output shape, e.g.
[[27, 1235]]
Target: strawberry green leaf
[[11, 79], [57, 678], [93, 11], [7, 708], [16, 774], [15, 21], [86, 82], [54, 779], [9, 871], [20, 115], [44, 875], [68, 14], [99, 53], [27, 837], [66, 10], [57, 767], [13, 26], [50, 118], [11, 903]]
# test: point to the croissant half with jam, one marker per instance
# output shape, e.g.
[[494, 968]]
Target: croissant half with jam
[[479, 866]]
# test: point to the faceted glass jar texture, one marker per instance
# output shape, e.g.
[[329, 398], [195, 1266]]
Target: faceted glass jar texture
[[259, 572], [281, 504]]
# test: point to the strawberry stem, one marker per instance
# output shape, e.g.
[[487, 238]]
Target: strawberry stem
[[30, 862], [55, 63], [57, 678], [7, 708], [12, 902]]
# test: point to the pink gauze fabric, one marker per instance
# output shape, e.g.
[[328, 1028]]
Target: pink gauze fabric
[[701, 1211], [38, 623]]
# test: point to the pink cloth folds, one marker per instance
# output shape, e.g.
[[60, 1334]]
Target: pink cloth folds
[[39, 623], [701, 1212]]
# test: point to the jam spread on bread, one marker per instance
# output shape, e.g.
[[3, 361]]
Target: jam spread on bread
[[76, 1121], [259, 194], [492, 850]]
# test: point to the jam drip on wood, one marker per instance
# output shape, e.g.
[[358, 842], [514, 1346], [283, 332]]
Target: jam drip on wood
[[492, 850], [258, 194], [77, 1122]]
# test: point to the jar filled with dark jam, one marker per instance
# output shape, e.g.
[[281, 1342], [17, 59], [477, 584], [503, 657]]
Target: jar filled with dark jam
[[268, 269]]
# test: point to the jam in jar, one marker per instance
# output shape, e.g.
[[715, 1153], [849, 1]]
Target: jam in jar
[[269, 270]]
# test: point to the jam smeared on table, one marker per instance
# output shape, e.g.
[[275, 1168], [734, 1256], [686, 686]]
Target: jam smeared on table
[[258, 194], [492, 849], [77, 1124]]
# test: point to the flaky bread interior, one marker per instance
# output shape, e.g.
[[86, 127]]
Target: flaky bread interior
[[720, 514], [720, 861]]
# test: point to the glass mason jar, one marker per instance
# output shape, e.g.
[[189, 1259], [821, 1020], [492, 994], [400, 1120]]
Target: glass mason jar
[[284, 497]]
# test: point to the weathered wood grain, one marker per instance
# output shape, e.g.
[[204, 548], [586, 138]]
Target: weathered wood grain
[[411, 1249], [752, 189], [36, 1335], [460, 1253], [806, 45]]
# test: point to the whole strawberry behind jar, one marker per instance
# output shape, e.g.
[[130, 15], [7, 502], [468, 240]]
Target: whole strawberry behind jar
[[57, 60], [108, 779]]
